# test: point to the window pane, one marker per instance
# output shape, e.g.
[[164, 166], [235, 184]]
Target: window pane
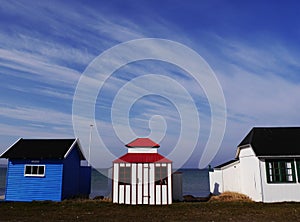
[[161, 175], [127, 175], [157, 173], [27, 169], [124, 175], [289, 175], [34, 170], [41, 170]]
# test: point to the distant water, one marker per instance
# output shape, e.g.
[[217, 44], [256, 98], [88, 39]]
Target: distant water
[[194, 182], [101, 184], [2, 180]]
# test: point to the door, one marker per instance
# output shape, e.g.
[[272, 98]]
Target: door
[[143, 192], [146, 185]]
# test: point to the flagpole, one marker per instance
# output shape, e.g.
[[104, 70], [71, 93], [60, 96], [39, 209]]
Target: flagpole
[[89, 157]]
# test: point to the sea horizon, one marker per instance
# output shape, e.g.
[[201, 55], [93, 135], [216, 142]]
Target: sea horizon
[[195, 182]]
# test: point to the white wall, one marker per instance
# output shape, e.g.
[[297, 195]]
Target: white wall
[[250, 179], [231, 178], [170, 197], [134, 182], [279, 192], [152, 179], [225, 179], [216, 181], [115, 182], [142, 150], [242, 177]]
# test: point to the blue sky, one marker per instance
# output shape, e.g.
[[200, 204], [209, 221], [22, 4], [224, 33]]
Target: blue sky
[[252, 47]]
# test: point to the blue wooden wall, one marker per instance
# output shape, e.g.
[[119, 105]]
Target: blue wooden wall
[[70, 186], [63, 179], [76, 179], [21, 188]]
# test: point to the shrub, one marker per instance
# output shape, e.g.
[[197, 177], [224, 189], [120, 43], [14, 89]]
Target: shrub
[[228, 196]]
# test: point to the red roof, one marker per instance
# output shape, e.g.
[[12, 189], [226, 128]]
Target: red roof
[[142, 158], [143, 142]]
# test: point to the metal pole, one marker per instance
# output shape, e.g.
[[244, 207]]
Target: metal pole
[[89, 157]]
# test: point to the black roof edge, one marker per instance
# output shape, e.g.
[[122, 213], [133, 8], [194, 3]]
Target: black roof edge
[[248, 138], [226, 163], [75, 141]]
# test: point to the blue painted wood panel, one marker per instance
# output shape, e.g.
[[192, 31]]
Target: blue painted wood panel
[[85, 181], [23, 188], [76, 179], [63, 179], [71, 174]]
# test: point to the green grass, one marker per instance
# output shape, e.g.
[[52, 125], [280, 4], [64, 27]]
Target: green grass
[[105, 211]]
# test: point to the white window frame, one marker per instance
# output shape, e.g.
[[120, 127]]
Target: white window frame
[[280, 171], [34, 175]]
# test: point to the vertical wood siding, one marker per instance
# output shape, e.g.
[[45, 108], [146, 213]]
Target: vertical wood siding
[[142, 189], [116, 183]]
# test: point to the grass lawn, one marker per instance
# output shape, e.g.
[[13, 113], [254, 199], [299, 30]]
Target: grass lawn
[[91, 210]]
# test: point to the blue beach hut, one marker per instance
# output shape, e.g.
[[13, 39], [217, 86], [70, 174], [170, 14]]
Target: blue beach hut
[[46, 169]]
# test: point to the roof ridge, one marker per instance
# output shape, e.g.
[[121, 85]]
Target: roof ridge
[[142, 142]]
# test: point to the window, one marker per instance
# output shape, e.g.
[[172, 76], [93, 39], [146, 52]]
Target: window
[[124, 175], [280, 171], [161, 175], [298, 169], [34, 170]]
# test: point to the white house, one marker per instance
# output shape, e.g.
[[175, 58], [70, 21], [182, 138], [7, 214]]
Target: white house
[[142, 176], [266, 166]]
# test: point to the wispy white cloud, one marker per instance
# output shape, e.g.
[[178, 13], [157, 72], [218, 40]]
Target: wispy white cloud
[[35, 68], [261, 87], [259, 83], [260, 57], [268, 99], [37, 115], [259, 78], [34, 131]]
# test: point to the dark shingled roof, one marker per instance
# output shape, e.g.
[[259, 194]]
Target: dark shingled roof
[[40, 149], [273, 141]]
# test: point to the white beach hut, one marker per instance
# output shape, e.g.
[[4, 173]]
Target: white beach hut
[[266, 166], [142, 176]]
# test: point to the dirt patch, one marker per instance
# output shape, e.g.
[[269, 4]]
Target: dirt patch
[[191, 198], [95, 210]]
